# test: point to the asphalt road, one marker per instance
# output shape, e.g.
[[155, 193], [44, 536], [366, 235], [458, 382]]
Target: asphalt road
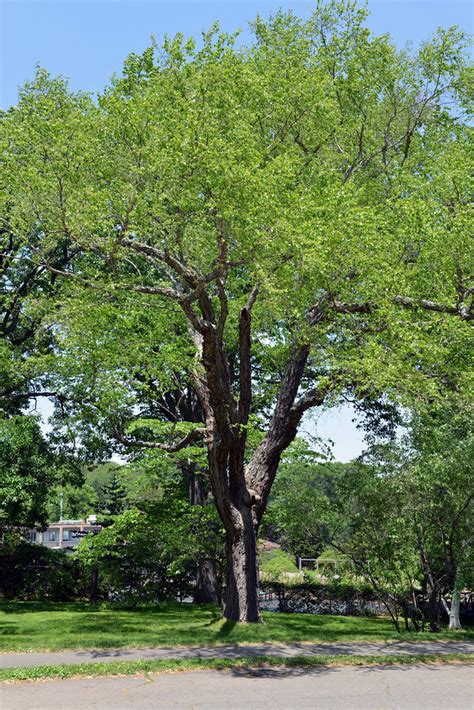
[[30, 659], [432, 687]]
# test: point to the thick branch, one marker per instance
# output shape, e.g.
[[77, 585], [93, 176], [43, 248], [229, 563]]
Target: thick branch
[[151, 290], [245, 384], [28, 395], [460, 310], [131, 442], [326, 303]]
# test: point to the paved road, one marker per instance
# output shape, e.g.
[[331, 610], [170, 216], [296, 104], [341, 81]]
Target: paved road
[[28, 660], [372, 688]]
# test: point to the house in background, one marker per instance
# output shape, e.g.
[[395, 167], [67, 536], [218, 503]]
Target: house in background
[[65, 534]]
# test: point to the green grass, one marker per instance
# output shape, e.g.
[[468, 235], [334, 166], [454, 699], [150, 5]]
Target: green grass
[[28, 626], [121, 668]]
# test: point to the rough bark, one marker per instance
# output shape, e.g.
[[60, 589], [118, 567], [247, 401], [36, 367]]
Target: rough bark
[[207, 582], [241, 594], [454, 617]]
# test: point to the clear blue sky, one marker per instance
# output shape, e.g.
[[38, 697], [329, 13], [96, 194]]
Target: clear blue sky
[[87, 40]]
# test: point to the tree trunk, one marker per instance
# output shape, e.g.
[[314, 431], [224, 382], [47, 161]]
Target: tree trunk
[[454, 619], [454, 616], [241, 593], [94, 586], [207, 582], [433, 610]]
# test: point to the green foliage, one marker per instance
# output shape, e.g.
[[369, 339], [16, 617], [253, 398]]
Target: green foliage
[[29, 468], [275, 563], [300, 512], [325, 159], [408, 509], [320, 164], [152, 554]]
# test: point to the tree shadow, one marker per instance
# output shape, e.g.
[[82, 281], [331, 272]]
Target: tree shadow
[[226, 628], [280, 672]]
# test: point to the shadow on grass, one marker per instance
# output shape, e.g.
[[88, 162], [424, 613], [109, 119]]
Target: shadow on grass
[[15, 607], [226, 629], [79, 625]]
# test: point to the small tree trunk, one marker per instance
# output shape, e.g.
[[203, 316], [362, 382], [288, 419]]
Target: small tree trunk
[[241, 593], [94, 587], [454, 616], [454, 619], [207, 583], [433, 610]]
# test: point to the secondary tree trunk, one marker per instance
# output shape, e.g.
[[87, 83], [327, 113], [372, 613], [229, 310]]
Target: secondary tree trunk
[[433, 609], [241, 593], [94, 586], [454, 618], [454, 615], [207, 583]]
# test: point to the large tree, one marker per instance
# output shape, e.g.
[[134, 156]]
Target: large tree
[[272, 225]]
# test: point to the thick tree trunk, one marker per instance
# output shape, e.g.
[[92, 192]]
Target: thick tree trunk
[[241, 593]]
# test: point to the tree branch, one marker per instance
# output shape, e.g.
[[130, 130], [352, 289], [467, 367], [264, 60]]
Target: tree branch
[[245, 375], [460, 310], [131, 442]]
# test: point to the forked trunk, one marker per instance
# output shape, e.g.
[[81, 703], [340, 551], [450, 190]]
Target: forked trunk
[[241, 593]]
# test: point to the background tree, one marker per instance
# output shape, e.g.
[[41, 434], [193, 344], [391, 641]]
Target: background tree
[[405, 512], [300, 513], [150, 554], [29, 469], [290, 218]]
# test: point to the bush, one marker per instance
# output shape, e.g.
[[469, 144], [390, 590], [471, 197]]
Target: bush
[[275, 563], [34, 572], [151, 555]]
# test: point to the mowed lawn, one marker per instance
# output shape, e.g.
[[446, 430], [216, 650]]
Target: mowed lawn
[[27, 626]]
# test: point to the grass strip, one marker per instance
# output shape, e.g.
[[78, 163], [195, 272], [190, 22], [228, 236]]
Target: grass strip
[[54, 626], [124, 668]]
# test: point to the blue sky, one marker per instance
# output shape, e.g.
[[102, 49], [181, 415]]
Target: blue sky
[[87, 40]]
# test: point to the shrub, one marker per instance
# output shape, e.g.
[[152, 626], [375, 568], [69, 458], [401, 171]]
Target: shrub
[[34, 572], [276, 563]]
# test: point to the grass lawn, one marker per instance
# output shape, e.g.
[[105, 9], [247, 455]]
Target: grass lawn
[[28, 626], [122, 668]]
